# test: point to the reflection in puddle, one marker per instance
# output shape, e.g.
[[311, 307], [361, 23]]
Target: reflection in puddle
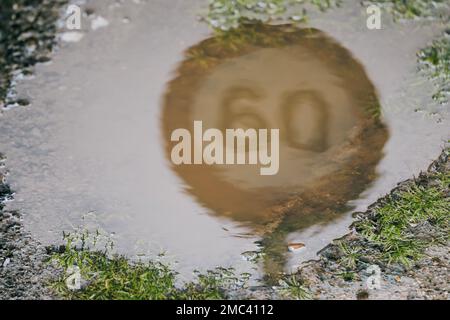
[[91, 141], [302, 83]]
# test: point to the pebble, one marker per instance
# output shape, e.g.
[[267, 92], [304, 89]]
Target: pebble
[[6, 262], [295, 246], [99, 22], [251, 256]]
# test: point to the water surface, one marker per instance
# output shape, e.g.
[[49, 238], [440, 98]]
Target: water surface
[[94, 141]]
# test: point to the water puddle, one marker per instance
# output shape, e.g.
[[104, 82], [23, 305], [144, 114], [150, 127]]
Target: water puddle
[[94, 148], [300, 82]]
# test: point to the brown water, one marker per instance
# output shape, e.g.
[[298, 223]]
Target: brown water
[[92, 149]]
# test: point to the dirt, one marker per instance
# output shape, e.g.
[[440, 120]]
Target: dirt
[[23, 268], [27, 36]]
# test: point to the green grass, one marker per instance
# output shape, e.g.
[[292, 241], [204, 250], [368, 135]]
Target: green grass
[[210, 285], [114, 277], [350, 257], [410, 9], [293, 288], [435, 61], [392, 224], [229, 14], [348, 275]]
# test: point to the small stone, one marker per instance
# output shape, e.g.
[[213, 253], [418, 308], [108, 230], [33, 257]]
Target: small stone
[[89, 11], [98, 23], [295, 246], [362, 295], [331, 252], [23, 102], [251, 256], [6, 262]]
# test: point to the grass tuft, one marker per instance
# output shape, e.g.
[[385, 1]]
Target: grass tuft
[[435, 62], [225, 15], [294, 288], [114, 277], [419, 210], [411, 9]]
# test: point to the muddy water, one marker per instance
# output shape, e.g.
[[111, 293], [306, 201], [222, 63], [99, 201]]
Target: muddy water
[[314, 92], [93, 148]]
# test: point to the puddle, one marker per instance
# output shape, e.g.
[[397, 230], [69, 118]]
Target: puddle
[[94, 146], [300, 82]]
